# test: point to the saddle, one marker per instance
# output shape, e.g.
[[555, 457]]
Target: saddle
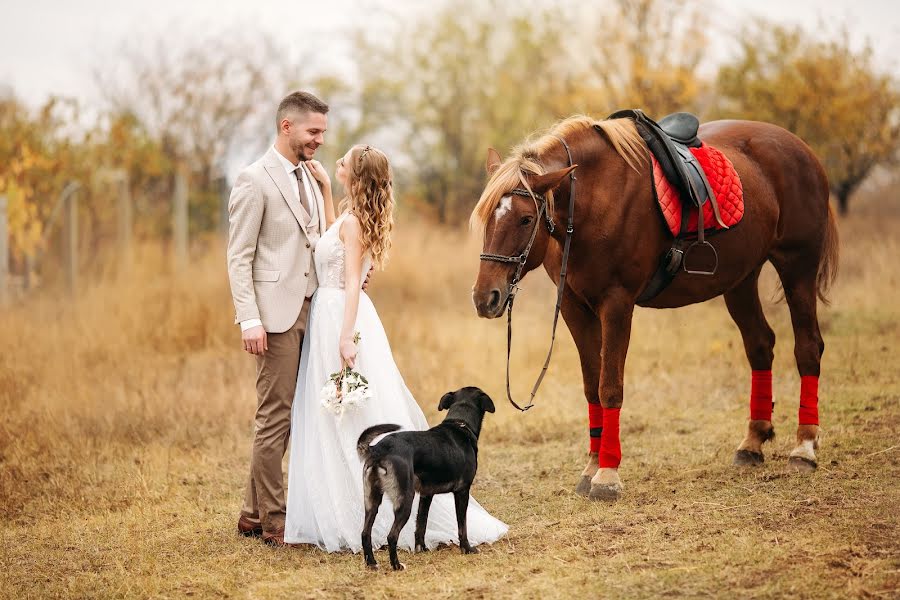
[[669, 142]]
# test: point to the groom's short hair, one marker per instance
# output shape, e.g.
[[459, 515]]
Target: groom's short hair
[[302, 102]]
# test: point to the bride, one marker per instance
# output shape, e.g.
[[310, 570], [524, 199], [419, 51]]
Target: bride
[[325, 486]]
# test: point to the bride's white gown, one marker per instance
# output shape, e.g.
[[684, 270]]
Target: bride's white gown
[[325, 490]]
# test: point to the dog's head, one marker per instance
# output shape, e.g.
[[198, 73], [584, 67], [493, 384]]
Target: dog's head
[[467, 404]]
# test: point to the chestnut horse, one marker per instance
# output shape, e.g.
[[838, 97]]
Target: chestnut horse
[[616, 248]]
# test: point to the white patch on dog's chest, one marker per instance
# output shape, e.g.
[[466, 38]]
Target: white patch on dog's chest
[[505, 207]]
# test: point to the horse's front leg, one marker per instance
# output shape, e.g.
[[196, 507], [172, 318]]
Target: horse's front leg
[[584, 325], [616, 313]]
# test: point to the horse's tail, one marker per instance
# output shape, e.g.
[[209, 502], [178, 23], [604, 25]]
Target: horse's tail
[[366, 437], [828, 265]]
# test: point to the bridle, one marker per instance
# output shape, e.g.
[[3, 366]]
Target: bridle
[[540, 204]]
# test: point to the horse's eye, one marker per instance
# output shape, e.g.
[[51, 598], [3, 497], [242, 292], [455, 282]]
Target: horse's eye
[[526, 220]]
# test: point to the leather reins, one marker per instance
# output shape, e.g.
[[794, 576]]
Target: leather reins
[[540, 204]]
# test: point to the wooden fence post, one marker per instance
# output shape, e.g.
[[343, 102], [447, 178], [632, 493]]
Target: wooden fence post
[[4, 252], [70, 243], [224, 195], [126, 219], [180, 217]]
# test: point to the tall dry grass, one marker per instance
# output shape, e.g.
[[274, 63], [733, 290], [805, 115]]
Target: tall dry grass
[[126, 422]]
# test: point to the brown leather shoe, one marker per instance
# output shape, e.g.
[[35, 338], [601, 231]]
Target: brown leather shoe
[[248, 528], [276, 539]]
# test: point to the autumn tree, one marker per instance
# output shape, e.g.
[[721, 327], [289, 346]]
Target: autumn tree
[[467, 76], [827, 93], [44, 151], [122, 144], [458, 80], [641, 54], [40, 152], [199, 100]]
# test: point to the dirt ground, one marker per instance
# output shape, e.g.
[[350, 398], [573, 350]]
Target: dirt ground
[[126, 427]]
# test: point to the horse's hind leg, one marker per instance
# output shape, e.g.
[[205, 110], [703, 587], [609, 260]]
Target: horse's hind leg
[[799, 282], [759, 345]]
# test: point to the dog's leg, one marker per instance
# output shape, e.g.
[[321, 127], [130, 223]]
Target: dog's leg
[[422, 522], [462, 504], [401, 516], [372, 494]]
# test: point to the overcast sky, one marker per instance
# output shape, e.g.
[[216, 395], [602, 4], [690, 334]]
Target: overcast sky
[[49, 46]]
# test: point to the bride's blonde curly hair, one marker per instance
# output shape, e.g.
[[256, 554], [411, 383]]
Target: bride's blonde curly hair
[[370, 196]]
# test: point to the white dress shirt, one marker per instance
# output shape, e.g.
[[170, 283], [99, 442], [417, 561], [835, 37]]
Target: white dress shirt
[[290, 168]]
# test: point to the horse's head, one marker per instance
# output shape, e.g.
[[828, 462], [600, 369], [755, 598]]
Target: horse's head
[[516, 214]]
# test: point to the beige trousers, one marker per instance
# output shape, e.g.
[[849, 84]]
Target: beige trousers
[[276, 383]]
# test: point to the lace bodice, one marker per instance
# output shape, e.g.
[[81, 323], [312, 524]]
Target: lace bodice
[[329, 258]]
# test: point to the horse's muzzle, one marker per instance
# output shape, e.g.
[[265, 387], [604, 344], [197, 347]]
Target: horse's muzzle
[[489, 304]]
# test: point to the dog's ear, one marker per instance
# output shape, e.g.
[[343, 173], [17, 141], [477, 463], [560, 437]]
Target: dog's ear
[[486, 403], [447, 400]]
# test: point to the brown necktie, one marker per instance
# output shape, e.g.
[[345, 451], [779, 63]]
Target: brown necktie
[[304, 201]]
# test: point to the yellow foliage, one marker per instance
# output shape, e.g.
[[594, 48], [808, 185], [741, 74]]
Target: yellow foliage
[[825, 92]]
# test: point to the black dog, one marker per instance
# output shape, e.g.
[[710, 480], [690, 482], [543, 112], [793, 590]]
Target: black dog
[[438, 461]]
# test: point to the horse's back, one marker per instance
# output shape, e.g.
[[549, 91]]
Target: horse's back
[[785, 203], [784, 159], [775, 166]]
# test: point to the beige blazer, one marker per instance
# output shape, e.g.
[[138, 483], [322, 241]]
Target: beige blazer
[[270, 245]]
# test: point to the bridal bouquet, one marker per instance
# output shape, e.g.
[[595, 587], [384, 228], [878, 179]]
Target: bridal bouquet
[[345, 389]]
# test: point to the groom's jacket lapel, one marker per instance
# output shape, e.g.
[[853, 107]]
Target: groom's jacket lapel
[[320, 201], [280, 177]]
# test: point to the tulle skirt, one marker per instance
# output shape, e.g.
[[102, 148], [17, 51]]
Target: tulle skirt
[[325, 488]]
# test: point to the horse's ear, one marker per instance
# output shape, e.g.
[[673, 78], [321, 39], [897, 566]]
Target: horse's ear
[[549, 181], [493, 161]]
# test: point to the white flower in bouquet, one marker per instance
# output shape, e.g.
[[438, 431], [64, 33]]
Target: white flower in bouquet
[[345, 389]]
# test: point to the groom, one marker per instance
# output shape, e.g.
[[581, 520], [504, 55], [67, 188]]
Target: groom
[[276, 214]]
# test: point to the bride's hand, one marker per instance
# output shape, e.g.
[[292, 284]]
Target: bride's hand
[[348, 352], [318, 172]]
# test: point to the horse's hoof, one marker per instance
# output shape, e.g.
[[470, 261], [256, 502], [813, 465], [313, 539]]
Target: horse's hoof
[[801, 464], [748, 458], [608, 492], [584, 486]]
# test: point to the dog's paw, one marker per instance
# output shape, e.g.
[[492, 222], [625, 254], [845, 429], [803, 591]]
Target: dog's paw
[[373, 566], [399, 567], [469, 550], [421, 547]]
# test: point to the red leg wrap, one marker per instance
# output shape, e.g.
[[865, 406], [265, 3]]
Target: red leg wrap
[[809, 400], [610, 450], [595, 422], [761, 396]]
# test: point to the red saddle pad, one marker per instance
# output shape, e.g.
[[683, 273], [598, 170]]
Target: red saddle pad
[[722, 178]]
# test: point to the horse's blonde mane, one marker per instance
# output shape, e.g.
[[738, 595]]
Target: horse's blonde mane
[[526, 159]]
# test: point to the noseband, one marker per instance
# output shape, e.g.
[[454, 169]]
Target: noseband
[[540, 204]]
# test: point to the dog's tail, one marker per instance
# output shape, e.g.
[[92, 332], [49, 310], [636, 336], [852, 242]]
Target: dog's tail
[[362, 445]]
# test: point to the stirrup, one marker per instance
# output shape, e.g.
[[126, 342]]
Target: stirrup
[[687, 254]]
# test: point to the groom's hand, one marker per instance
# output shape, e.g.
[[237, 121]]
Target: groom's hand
[[255, 341], [368, 275]]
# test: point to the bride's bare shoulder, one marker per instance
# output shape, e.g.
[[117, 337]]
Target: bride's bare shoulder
[[349, 227]]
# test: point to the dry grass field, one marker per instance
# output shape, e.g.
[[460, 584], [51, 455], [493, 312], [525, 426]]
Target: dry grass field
[[126, 424]]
